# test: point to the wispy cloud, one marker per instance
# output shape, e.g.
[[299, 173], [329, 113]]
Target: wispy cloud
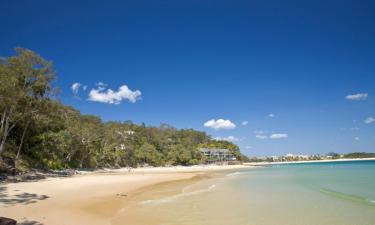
[[249, 147], [220, 124], [104, 95], [259, 136], [278, 136], [271, 115], [356, 138], [102, 84], [356, 97], [260, 132], [244, 123], [75, 88], [369, 120], [229, 138]]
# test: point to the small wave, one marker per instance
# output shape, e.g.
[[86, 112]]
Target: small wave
[[178, 196], [348, 197], [234, 174]]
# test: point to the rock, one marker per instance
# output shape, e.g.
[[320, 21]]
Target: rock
[[7, 165], [7, 221], [121, 195]]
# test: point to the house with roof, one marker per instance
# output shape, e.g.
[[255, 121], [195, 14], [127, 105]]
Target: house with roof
[[212, 155]]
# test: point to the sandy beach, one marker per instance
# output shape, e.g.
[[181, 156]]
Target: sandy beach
[[90, 198]]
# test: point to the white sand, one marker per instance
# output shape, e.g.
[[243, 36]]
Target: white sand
[[92, 198]]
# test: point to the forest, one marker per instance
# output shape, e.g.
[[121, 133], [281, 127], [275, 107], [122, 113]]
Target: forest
[[38, 131]]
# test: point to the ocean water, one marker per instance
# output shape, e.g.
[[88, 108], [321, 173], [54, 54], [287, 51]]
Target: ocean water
[[296, 194]]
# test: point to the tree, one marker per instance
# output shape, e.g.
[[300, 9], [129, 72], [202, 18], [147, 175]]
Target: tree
[[25, 80], [38, 131], [334, 155], [147, 154]]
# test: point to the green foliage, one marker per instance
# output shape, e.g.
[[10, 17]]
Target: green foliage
[[356, 155], [38, 131], [334, 155], [147, 154]]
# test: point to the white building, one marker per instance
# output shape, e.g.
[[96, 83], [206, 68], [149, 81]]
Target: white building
[[214, 155]]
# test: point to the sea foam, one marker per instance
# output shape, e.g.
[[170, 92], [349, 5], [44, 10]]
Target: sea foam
[[178, 196], [234, 174]]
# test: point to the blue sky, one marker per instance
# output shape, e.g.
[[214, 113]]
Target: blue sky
[[188, 62]]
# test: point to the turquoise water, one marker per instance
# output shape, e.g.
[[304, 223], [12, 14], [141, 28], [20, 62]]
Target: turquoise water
[[352, 181], [296, 194]]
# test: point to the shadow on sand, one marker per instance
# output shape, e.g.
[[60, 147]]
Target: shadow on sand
[[27, 222], [22, 198]]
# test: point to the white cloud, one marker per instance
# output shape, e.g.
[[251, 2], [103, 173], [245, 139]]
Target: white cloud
[[260, 132], [84, 87], [220, 124], [249, 147], [356, 138], [355, 97], [369, 120], [261, 136], [75, 88], [244, 123], [278, 136], [232, 138], [101, 84], [104, 95], [271, 115], [229, 138]]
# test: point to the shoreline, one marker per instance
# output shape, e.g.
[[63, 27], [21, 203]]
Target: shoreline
[[88, 197], [308, 161], [38, 175]]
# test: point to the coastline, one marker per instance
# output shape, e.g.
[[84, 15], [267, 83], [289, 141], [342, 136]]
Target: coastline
[[307, 161], [88, 198]]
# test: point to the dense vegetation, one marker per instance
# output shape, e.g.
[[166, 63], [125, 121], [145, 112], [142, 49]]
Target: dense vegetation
[[37, 131], [357, 155]]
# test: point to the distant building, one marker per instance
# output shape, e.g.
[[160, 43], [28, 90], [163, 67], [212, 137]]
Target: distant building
[[291, 157], [304, 156], [129, 132], [217, 155], [126, 132]]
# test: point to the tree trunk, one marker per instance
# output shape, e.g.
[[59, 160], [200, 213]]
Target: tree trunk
[[22, 139], [5, 133], [4, 136], [2, 144], [3, 120]]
